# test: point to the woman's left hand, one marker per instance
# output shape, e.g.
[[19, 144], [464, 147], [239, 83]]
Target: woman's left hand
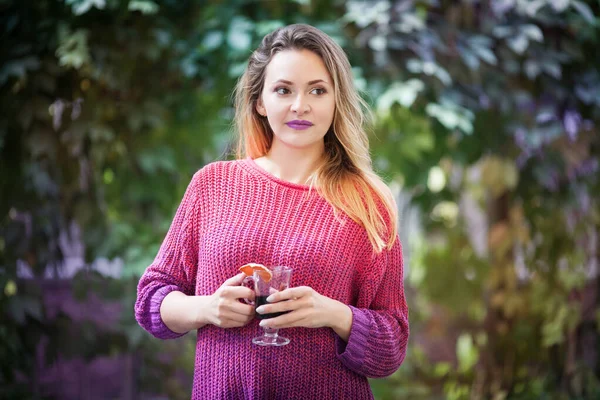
[[308, 309]]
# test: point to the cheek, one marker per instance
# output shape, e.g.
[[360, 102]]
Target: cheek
[[274, 107], [329, 111]]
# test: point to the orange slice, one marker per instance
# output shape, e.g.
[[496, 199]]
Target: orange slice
[[264, 272]]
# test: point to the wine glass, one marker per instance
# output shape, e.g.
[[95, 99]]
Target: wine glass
[[264, 286]]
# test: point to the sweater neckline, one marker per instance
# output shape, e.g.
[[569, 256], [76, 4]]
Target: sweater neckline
[[259, 171]]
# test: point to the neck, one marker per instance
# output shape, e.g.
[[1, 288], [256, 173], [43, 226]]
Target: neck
[[291, 165]]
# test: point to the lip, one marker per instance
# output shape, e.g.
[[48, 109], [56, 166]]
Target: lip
[[299, 124]]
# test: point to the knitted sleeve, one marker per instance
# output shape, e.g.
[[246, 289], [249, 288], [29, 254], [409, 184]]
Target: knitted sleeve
[[379, 333], [174, 267]]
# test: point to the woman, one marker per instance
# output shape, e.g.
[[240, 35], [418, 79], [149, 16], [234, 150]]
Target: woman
[[302, 193]]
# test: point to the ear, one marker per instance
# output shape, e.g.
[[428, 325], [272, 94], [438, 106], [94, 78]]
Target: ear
[[260, 108]]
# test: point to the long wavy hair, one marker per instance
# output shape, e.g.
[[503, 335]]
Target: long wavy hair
[[346, 178]]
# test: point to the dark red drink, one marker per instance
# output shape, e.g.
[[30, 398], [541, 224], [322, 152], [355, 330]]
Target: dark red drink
[[262, 300]]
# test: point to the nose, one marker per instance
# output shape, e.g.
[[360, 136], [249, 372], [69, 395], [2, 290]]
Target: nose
[[300, 105]]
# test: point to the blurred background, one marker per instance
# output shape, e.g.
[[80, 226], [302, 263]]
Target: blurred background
[[486, 127]]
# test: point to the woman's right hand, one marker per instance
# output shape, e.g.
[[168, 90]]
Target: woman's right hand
[[223, 308]]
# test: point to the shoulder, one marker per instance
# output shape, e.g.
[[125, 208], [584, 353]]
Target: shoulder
[[216, 170], [217, 167], [218, 177]]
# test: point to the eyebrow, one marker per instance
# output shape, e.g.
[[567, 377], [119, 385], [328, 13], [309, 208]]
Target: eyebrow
[[310, 82]]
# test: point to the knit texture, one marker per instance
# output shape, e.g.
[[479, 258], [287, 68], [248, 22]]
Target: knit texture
[[233, 213]]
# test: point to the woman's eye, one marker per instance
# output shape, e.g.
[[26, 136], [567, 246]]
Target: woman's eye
[[282, 90], [318, 91]]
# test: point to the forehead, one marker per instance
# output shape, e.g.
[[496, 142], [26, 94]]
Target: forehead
[[298, 66]]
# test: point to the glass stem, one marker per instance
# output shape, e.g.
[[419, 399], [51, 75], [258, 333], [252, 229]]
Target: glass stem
[[271, 333]]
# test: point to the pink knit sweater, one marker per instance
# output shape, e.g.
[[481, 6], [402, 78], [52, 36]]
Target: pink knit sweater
[[234, 212]]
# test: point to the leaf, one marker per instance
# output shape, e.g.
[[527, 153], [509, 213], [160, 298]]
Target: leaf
[[469, 58], [511, 175], [410, 22], [189, 67], [73, 49], [466, 352], [18, 68], [101, 133], [265, 27], [10, 289], [378, 43], [553, 330], [486, 54], [415, 66], [518, 43], [532, 69], [451, 115], [212, 40], [560, 5], [436, 182], [446, 117], [585, 11], [364, 14], [237, 69], [553, 69], [531, 8], [403, 93], [239, 36], [82, 6], [502, 32], [443, 75], [442, 368], [533, 32], [480, 41], [587, 93], [146, 7]]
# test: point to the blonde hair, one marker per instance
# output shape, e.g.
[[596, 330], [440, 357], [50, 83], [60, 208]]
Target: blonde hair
[[346, 179]]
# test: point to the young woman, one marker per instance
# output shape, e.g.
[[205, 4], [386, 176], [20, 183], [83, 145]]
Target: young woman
[[303, 194]]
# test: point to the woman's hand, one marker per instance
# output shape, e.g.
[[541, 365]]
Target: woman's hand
[[224, 309], [308, 309]]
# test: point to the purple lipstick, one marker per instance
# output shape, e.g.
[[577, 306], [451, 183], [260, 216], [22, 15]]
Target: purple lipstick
[[299, 124]]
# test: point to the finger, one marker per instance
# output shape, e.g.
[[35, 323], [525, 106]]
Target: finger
[[242, 309], [239, 319], [238, 292], [290, 293], [229, 316], [297, 318], [235, 280], [285, 305]]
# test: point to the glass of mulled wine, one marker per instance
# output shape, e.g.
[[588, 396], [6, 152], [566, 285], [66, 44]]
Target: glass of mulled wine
[[265, 283]]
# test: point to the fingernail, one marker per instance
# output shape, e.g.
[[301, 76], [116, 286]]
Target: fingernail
[[260, 309], [263, 323], [269, 299]]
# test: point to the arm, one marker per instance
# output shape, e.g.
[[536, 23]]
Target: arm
[[371, 337], [175, 311], [182, 313], [379, 332], [172, 274]]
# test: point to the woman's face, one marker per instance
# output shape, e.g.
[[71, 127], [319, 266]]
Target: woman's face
[[298, 100]]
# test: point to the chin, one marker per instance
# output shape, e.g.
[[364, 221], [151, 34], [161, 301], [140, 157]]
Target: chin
[[300, 139]]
